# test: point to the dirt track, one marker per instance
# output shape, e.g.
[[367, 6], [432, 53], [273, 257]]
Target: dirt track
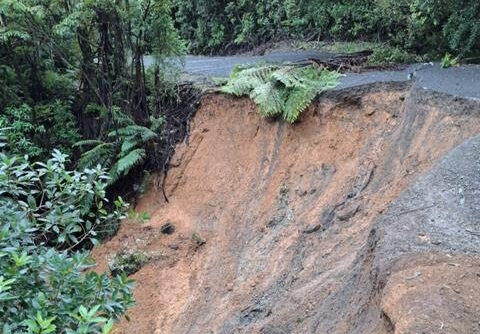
[[355, 220]]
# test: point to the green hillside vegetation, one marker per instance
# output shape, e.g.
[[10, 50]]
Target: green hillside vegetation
[[418, 26], [73, 81]]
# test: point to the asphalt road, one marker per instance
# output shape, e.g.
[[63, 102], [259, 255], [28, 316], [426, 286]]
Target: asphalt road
[[220, 67], [462, 81]]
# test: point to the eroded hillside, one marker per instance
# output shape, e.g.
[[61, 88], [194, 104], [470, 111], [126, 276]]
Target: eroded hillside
[[361, 218]]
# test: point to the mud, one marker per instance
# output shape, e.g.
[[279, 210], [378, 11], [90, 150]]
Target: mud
[[361, 218]]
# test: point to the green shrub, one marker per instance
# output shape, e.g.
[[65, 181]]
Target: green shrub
[[20, 131], [25, 129], [68, 208], [43, 209], [38, 282], [462, 30], [388, 55]]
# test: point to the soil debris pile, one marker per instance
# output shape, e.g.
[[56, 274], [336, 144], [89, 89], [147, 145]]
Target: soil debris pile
[[361, 218]]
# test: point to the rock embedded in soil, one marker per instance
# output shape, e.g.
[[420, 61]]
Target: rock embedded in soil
[[167, 228]]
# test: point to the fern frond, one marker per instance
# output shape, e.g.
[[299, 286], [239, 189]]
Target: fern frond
[[127, 145], [236, 70], [298, 100], [98, 155], [322, 80], [148, 135], [287, 75], [284, 90], [125, 164], [241, 85], [244, 81], [134, 130], [262, 73], [87, 142], [310, 82], [269, 98], [121, 118]]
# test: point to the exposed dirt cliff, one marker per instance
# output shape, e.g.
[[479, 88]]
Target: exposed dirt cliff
[[358, 219]]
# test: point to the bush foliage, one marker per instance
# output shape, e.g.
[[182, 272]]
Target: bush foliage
[[68, 208], [46, 213]]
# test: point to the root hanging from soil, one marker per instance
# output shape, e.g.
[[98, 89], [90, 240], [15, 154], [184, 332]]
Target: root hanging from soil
[[178, 113]]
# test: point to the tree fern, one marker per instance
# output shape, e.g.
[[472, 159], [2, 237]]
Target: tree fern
[[321, 80], [126, 163], [87, 142], [309, 82], [285, 91], [133, 130], [122, 150], [289, 76], [121, 118], [128, 144], [299, 98], [98, 155]]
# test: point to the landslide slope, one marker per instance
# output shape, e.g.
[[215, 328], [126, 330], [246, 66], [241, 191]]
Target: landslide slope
[[361, 218]]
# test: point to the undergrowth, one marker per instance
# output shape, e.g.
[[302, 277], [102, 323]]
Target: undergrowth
[[382, 54], [122, 150], [449, 61], [284, 91]]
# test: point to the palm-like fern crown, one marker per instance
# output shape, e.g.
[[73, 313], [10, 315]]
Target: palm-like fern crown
[[285, 90], [123, 149]]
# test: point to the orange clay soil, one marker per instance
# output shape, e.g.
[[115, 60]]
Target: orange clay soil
[[286, 212]]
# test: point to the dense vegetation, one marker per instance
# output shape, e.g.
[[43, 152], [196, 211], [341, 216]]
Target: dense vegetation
[[47, 213], [74, 70], [73, 82], [419, 26]]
